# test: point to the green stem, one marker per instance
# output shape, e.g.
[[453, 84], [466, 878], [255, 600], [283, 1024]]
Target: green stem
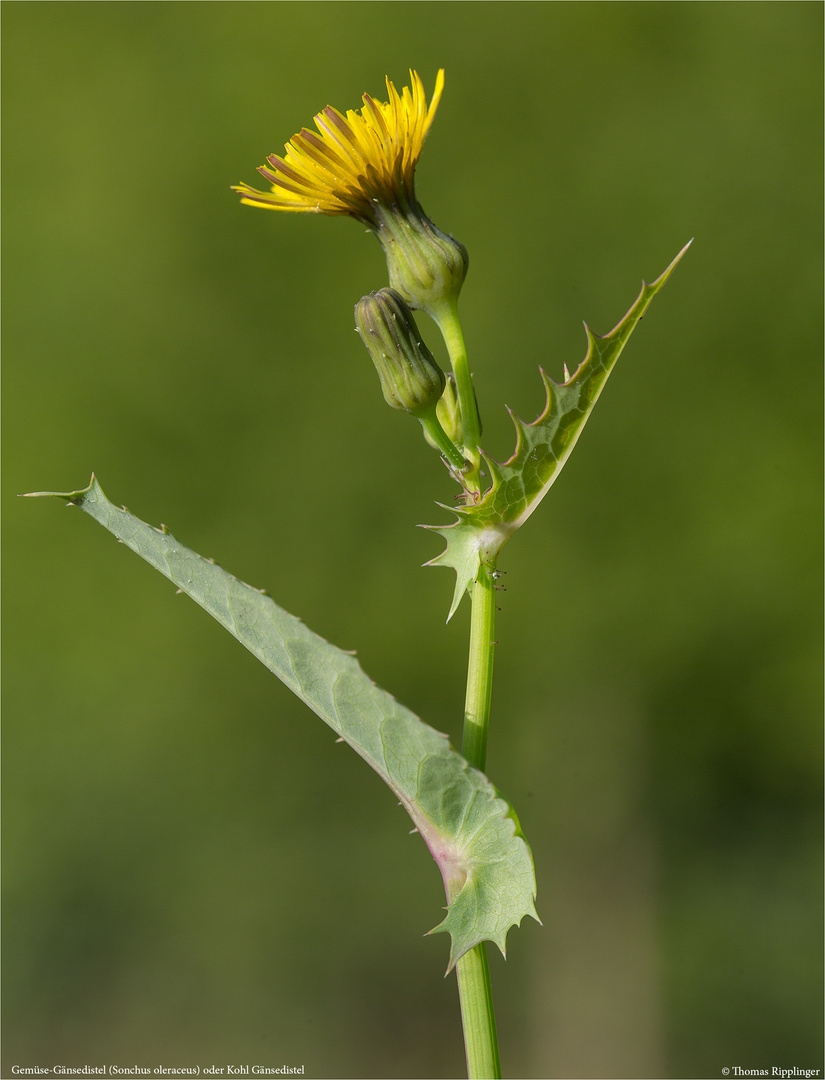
[[448, 322], [477, 1016], [474, 989], [480, 667], [432, 425]]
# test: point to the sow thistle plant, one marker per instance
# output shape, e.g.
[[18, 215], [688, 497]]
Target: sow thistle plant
[[362, 165]]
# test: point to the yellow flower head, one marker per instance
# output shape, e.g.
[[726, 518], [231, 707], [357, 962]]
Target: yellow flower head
[[357, 160]]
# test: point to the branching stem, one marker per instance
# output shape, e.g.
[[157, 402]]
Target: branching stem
[[432, 425]]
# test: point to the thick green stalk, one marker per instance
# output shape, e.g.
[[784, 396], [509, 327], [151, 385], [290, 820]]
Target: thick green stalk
[[450, 326], [477, 1015], [474, 988], [480, 667]]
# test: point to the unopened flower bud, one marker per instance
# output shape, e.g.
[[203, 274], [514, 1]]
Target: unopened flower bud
[[410, 378]]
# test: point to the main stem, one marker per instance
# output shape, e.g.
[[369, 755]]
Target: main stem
[[474, 988], [480, 668]]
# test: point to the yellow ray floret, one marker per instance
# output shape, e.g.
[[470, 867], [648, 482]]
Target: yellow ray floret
[[367, 155]]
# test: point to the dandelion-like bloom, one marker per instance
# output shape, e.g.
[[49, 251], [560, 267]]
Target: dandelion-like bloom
[[357, 160], [363, 165]]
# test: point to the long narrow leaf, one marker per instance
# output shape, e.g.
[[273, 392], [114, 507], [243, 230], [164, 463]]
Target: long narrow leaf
[[471, 831]]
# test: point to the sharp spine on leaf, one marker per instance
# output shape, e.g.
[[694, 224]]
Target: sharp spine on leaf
[[496, 475]]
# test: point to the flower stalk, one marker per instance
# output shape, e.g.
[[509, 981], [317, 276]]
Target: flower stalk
[[446, 316]]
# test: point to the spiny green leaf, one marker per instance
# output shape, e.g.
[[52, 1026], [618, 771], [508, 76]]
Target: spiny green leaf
[[471, 831], [519, 484]]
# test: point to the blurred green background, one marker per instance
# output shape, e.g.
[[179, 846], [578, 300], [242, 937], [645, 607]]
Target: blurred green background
[[194, 872]]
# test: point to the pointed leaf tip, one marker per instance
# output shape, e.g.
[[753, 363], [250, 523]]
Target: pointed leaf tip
[[72, 497]]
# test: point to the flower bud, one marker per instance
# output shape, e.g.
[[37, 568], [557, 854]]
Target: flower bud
[[410, 378], [426, 266]]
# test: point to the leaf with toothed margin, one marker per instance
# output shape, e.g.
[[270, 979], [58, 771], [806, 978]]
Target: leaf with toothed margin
[[470, 829], [519, 484]]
